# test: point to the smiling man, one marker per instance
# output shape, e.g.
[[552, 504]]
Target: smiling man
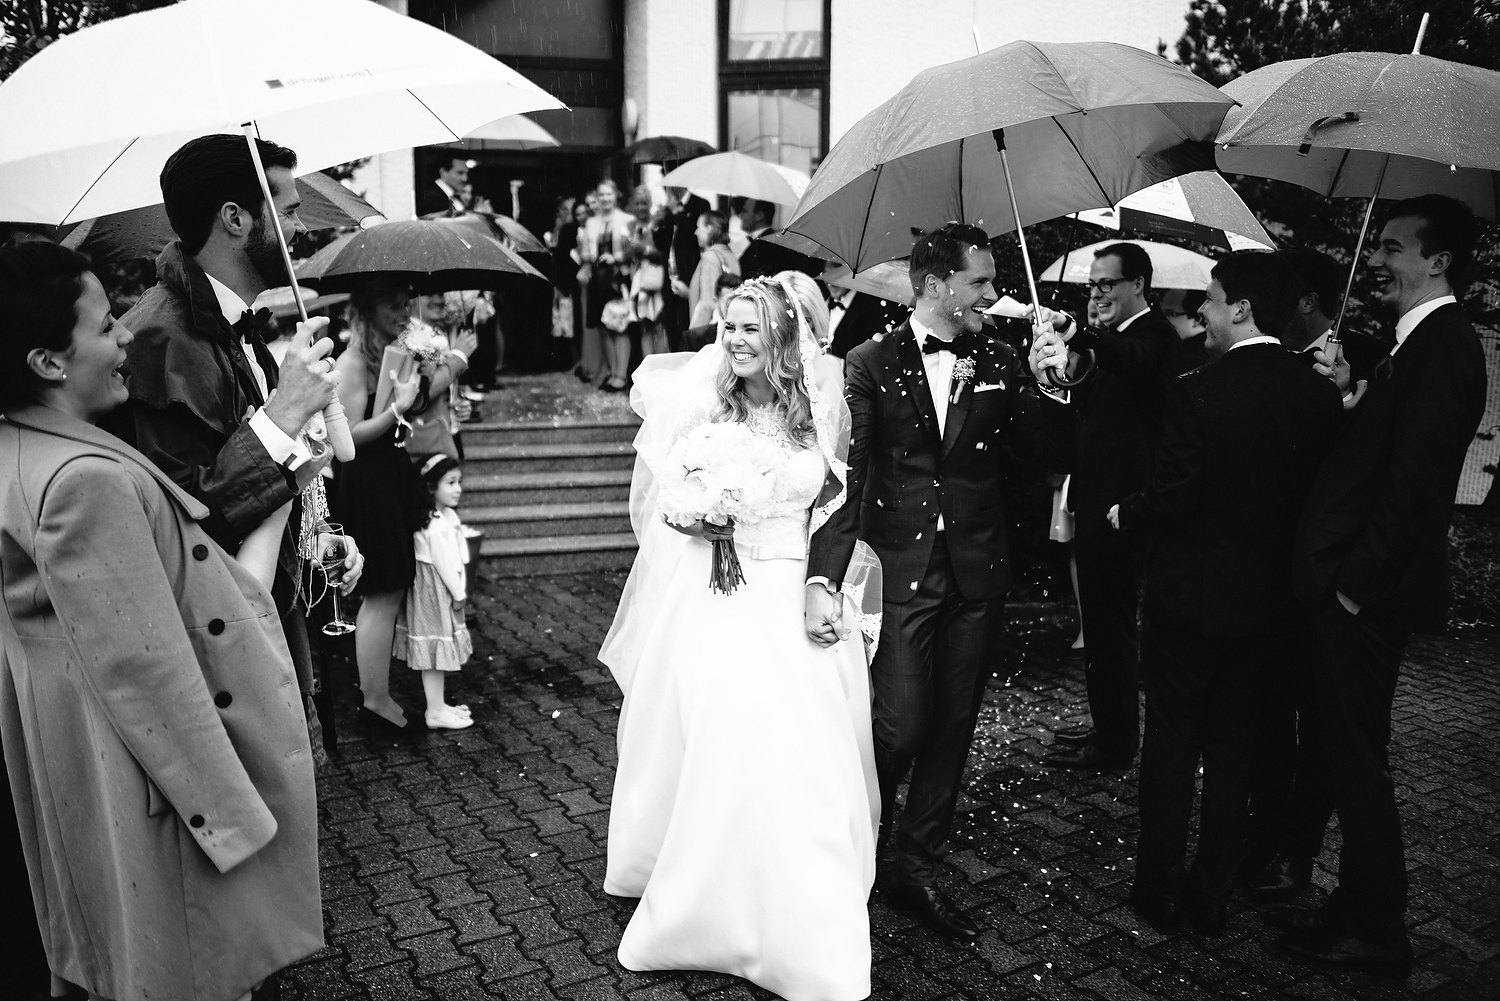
[[1370, 566], [932, 407], [1114, 420]]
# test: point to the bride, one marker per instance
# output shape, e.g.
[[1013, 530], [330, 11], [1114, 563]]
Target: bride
[[745, 802]]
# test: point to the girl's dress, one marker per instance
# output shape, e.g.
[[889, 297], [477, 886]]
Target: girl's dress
[[745, 801], [430, 631]]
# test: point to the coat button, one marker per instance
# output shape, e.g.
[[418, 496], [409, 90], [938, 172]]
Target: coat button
[[216, 627], [932, 517], [200, 552], [223, 699], [196, 820]]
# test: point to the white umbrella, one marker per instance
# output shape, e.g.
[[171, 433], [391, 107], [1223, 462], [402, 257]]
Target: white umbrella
[[1199, 206], [512, 132], [734, 173], [889, 280], [1171, 267], [90, 120]]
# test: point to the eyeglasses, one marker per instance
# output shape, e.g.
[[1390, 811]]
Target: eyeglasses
[[1104, 286]]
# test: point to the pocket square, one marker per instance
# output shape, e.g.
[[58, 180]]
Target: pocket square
[[986, 388]]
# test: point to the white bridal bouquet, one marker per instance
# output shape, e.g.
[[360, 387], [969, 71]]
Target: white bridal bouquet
[[721, 474]]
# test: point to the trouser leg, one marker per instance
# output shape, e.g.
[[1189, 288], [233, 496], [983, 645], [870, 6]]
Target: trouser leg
[[1169, 757], [1107, 592]]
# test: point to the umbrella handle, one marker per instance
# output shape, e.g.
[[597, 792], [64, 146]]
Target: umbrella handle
[[1086, 362], [265, 190]]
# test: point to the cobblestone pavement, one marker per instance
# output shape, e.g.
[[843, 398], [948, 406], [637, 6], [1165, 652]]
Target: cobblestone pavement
[[469, 864]]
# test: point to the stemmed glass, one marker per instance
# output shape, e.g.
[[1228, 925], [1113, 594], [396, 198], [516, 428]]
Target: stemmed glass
[[333, 570]]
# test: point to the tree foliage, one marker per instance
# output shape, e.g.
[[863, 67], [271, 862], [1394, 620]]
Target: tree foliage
[[29, 26]]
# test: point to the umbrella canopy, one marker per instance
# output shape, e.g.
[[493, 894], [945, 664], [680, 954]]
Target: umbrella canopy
[[890, 280], [522, 240], [514, 132], [429, 255], [1086, 123], [1200, 206], [143, 232], [1171, 267], [90, 120], [734, 173], [658, 149], [1335, 124]]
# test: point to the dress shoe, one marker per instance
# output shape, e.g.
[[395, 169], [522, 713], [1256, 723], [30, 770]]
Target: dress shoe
[[372, 722], [1339, 947], [935, 909], [1089, 758], [1209, 915], [1300, 920], [1074, 736], [448, 718], [1280, 879], [1158, 910]]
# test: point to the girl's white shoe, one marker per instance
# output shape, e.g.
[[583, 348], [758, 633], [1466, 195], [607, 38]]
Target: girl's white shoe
[[447, 718]]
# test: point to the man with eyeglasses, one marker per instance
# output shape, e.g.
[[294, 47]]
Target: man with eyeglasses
[[1116, 417]]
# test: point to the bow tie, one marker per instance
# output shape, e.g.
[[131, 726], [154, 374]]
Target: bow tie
[[836, 304], [961, 346], [251, 324]]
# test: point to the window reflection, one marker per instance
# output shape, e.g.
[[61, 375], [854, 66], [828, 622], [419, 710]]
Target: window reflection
[[775, 29], [778, 126]]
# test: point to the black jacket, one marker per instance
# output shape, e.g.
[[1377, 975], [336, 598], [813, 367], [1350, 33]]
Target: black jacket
[[865, 317], [762, 258], [432, 200], [1241, 445], [1376, 523], [1361, 352], [676, 233], [1116, 415], [901, 475]]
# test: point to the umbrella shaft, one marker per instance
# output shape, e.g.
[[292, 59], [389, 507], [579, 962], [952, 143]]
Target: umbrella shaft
[[265, 190], [1015, 211], [1359, 245]]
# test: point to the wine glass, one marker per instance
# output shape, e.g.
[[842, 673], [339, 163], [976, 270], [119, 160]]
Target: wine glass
[[333, 569]]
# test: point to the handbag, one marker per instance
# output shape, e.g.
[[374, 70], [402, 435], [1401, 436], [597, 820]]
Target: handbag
[[651, 277], [616, 315]]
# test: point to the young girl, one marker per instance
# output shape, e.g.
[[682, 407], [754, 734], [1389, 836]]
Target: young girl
[[430, 633]]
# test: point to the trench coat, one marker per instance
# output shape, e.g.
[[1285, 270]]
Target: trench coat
[[152, 727]]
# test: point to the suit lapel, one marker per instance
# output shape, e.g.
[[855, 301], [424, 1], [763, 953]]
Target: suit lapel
[[958, 411], [914, 380]]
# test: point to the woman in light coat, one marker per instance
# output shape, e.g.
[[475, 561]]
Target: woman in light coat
[[153, 732]]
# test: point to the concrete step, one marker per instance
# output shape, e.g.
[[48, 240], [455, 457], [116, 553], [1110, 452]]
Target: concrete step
[[540, 457], [557, 554], [534, 520], [518, 433], [564, 487]]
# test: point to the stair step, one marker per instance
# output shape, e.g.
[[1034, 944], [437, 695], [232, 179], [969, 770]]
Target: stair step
[[525, 557], [537, 457], [532, 520], [552, 487], [516, 432]]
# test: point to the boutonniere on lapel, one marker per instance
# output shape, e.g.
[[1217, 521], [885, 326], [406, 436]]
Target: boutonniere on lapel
[[963, 372]]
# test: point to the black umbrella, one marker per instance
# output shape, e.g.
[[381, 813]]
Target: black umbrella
[[658, 149], [428, 255]]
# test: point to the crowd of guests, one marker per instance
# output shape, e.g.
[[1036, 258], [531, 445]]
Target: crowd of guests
[[1278, 496]]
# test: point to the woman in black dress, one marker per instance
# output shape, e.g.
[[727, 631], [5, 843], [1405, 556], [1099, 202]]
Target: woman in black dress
[[378, 496]]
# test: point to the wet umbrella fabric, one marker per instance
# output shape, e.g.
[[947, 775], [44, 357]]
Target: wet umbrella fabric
[[1086, 124], [1200, 206], [736, 174], [1335, 124], [90, 120], [428, 255], [142, 233], [662, 149]]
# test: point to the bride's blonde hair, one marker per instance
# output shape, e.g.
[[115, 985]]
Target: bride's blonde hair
[[779, 333]]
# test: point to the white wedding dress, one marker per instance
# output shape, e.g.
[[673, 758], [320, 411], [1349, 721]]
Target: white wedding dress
[[745, 802]]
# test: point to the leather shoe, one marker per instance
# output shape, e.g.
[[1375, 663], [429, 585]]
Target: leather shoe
[[1157, 910], [1300, 920], [1280, 879], [1340, 948], [934, 908], [1074, 736], [1089, 758]]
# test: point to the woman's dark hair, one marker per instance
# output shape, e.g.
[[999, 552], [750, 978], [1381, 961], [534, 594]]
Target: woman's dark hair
[[40, 285], [944, 251], [209, 171], [718, 226], [432, 470]]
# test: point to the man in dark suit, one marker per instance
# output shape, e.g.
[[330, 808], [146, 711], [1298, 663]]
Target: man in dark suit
[[932, 406], [674, 233], [1371, 565], [444, 196], [1242, 442], [855, 317], [1116, 419], [762, 258], [1292, 802]]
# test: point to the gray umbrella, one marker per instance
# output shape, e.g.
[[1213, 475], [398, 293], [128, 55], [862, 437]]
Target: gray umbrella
[[428, 255]]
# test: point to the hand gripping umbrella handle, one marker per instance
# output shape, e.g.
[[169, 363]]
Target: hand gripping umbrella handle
[[1086, 363]]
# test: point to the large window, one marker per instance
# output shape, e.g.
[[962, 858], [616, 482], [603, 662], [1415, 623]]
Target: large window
[[773, 80]]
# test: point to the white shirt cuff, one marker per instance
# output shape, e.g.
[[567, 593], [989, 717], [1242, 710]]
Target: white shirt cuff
[[827, 584], [1060, 395], [455, 351], [284, 450]]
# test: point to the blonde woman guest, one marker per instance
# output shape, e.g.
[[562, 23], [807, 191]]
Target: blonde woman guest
[[604, 248], [810, 297], [718, 259]]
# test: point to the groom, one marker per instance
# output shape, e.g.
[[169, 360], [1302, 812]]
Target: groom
[[932, 407]]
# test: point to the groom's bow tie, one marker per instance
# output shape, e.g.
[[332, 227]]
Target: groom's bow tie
[[961, 346]]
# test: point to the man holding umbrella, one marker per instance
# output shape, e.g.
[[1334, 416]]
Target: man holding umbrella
[[200, 376], [1370, 566]]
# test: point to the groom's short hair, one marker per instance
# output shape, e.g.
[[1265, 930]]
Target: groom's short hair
[[944, 251]]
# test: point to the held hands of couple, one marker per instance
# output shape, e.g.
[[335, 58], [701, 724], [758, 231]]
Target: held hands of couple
[[354, 560], [823, 616], [307, 382]]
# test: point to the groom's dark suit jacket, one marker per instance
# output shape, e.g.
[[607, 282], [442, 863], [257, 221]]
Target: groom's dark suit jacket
[[1376, 524], [902, 474], [1243, 438]]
